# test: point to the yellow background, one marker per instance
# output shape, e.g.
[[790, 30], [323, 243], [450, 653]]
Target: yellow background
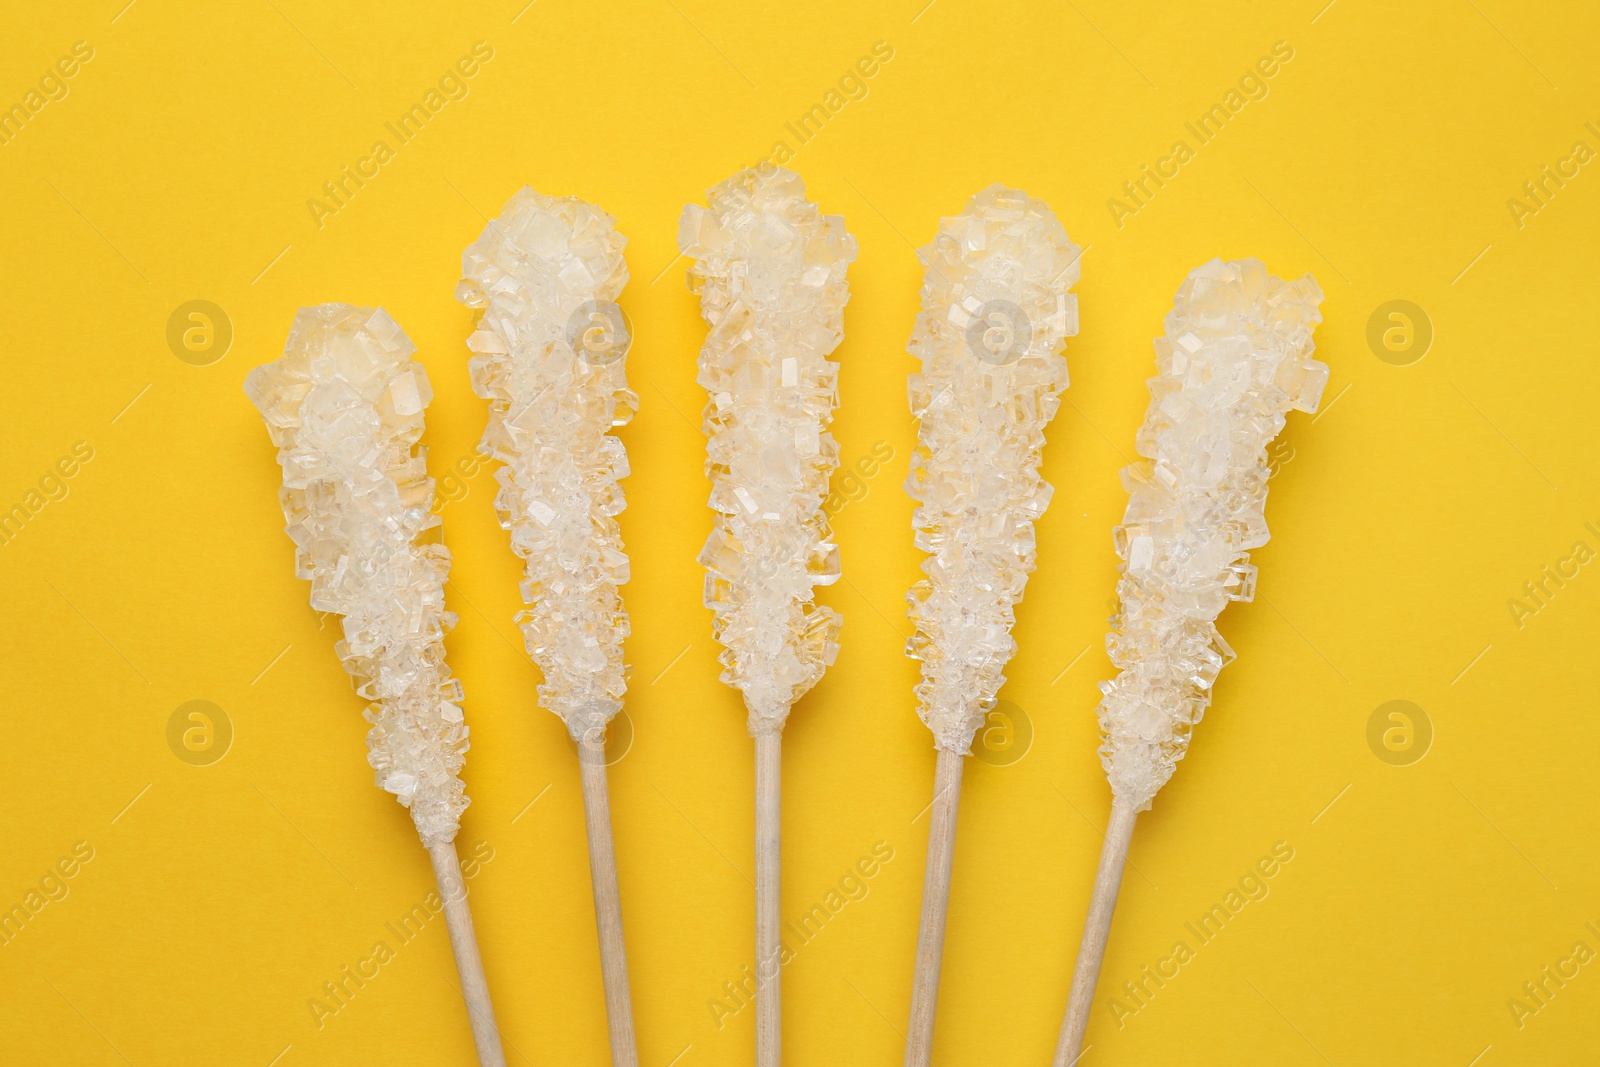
[[1412, 510]]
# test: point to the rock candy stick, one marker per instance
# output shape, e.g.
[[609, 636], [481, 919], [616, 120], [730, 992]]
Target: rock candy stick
[[996, 313], [770, 273], [1235, 359], [344, 405], [550, 346]]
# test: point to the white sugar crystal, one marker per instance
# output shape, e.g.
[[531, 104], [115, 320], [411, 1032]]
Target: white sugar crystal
[[405, 396], [551, 346], [995, 274], [388, 332], [770, 273], [1141, 554], [345, 405], [1197, 503], [1067, 316], [401, 785], [485, 340]]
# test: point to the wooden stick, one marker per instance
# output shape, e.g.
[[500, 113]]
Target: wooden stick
[[935, 905], [769, 961], [464, 943], [607, 903], [1107, 883]]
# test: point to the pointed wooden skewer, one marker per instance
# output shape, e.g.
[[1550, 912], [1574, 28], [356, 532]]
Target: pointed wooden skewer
[[769, 919], [551, 343], [935, 906], [607, 903], [1096, 928], [464, 946], [345, 407], [996, 313], [1235, 359], [773, 294]]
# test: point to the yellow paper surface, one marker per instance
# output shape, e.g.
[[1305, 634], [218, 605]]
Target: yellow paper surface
[[177, 163]]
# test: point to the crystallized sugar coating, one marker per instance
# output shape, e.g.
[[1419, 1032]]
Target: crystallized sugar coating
[[344, 406], [550, 346], [1236, 357], [995, 317], [770, 274]]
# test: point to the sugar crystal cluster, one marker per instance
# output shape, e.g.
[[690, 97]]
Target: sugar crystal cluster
[[996, 313], [550, 346], [1235, 359], [770, 274], [344, 405]]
